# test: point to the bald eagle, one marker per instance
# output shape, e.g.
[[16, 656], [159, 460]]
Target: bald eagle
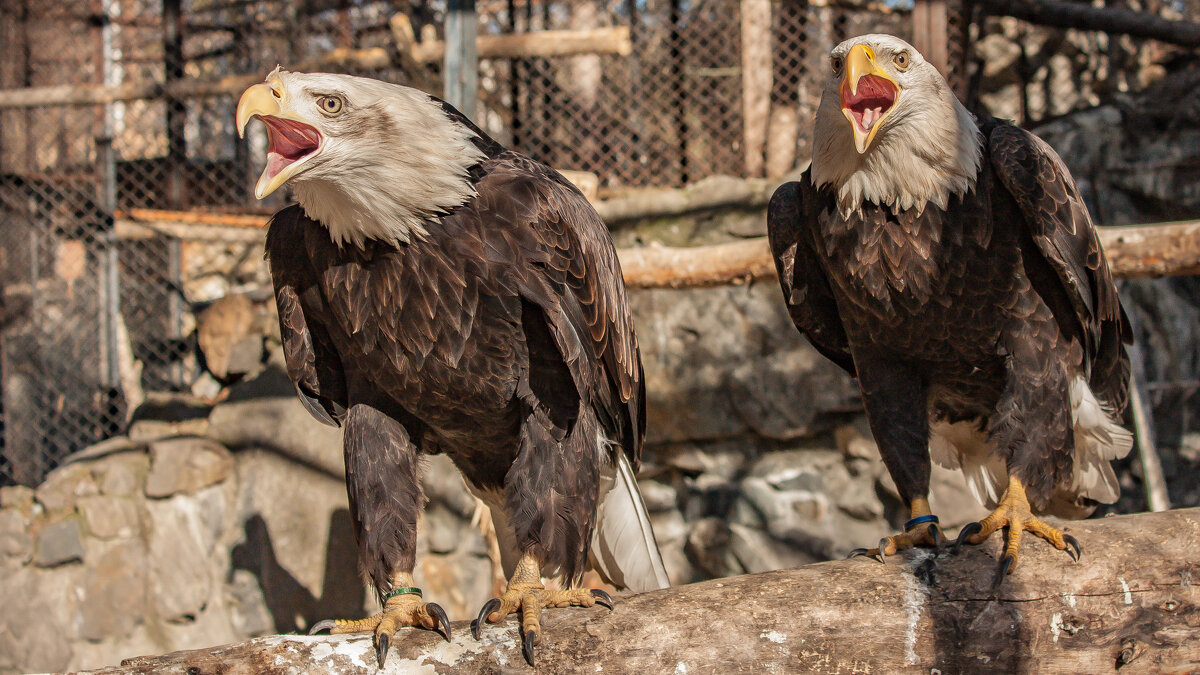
[[950, 264], [439, 293]]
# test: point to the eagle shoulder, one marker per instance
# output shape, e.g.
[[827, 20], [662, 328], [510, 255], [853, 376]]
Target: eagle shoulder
[[568, 269], [313, 363], [791, 215], [1056, 218]]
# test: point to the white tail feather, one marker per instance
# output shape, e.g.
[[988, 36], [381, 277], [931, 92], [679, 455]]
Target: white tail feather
[[623, 548], [1098, 441]]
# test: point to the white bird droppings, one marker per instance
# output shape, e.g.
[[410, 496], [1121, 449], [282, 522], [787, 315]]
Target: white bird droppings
[[1125, 587]]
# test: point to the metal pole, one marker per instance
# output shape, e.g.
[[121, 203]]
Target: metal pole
[[460, 69]]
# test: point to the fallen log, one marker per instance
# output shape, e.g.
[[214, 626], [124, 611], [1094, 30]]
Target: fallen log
[[1129, 605], [1162, 249]]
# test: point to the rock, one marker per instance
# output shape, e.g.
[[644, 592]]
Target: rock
[[854, 444], [727, 361], [180, 568], [657, 496], [264, 412], [668, 526], [303, 553], [248, 611], [720, 460], [113, 594], [108, 517], [35, 621], [16, 497], [119, 475], [15, 541], [57, 543], [708, 548], [57, 494], [758, 552], [221, 329], [443, 529], [186, 464], [442, 483]]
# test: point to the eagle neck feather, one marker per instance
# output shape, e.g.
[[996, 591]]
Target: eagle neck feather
[[416, 164]]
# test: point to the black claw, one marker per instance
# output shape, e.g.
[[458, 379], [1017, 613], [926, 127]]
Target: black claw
[[1006, 564], [383, 642], [857, 552], [488, 607], [527, 646], [882, 546], [320, 626], [939, 539], [1073, 543], [441, 623], [602, 598], [963, 534]]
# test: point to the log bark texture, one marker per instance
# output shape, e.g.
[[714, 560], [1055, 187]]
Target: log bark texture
[[1163, 249], [1132, 604]]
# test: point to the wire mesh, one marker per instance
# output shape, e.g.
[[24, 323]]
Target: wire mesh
[[96, 302]]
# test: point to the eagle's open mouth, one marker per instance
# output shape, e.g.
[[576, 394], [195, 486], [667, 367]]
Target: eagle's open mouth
[[290, 141], [874, 98]]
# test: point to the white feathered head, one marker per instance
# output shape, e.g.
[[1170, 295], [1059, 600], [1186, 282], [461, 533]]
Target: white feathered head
[[368, 159], [889, 130]]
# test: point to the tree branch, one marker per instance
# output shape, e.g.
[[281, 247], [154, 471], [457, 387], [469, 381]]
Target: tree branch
[[1129, 601], [1086, 16]]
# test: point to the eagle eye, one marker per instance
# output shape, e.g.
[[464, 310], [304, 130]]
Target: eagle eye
[[901, 60], [837, 63], [330, 105]]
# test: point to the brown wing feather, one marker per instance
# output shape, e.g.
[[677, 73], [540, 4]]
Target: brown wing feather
[[1058, 221], [571, 272], [312, 361], [810, 302]]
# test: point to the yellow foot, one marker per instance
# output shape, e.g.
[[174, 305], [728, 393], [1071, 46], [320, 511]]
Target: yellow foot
[[1015, 516], [526, 593], [398, 611], [921, 530]]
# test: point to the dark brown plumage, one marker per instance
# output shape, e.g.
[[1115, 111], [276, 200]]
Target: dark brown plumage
[[982, 312], [503, 339]]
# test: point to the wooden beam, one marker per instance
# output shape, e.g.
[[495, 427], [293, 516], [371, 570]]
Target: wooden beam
[[1164, 249], [614, 40], [1087, 16], [1130, 604], [756, 83], [1155, 250]]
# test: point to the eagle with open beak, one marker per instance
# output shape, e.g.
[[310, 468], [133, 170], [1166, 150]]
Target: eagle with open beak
[[950, 264]]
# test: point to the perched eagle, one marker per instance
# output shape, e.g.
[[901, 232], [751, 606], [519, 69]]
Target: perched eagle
[[950, 264], [439, 293]]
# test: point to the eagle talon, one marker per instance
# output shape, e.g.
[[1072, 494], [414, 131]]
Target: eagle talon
[[319, 626], [964, 535], [602, 598], [1073, 543], [881, 551], [1006, 567], [383, 642], [488, 607], [441, 622], [857, 552], [527, 642]]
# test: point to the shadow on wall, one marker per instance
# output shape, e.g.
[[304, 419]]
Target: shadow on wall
[[292, 606]]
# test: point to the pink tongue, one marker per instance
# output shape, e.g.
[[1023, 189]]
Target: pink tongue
[[276, 163]]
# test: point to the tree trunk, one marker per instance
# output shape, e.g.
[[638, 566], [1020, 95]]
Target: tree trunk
[[1129, 605]]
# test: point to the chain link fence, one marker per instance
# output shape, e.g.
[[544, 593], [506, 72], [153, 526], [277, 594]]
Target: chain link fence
[[121, 171]]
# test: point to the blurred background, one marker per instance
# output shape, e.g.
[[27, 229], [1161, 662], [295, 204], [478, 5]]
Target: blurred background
[[164, 490]]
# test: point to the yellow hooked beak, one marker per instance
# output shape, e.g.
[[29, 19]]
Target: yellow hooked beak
[[859, 107], [292, 140]]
